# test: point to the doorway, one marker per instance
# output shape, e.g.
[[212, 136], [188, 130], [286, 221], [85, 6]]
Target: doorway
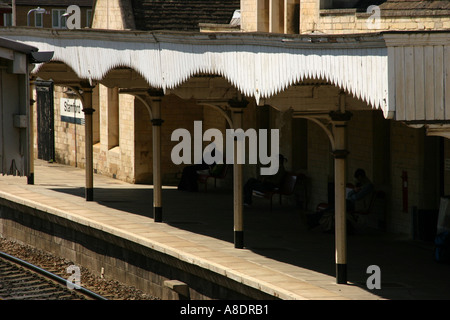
[[45, 121]]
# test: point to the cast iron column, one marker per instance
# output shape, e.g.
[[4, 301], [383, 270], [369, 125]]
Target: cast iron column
[[30, 177], [156, 133], [89, 167], [339, 121], [237, 186], [237, 109]]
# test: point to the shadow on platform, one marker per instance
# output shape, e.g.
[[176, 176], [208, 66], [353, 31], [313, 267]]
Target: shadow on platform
[[408, 269]]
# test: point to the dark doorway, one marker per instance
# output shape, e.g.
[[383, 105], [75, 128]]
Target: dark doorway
[[45, 119]]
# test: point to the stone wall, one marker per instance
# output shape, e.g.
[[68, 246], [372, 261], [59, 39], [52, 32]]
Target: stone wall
[[122, 260], [335, 21], [69, 137], [348, 21]]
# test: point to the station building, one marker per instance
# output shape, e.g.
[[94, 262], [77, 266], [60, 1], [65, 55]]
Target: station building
[[404, 155], [348, 86]]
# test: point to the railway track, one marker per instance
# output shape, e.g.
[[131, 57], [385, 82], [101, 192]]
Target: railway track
[[20, 280]]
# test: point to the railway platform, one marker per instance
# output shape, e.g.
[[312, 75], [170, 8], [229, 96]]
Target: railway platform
[[281, 257]]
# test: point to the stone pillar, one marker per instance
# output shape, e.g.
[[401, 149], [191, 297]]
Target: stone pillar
[[274, 16], [339, 122], [89, 167], [113, 14], [309, 16], [155, 98], [291, 20]]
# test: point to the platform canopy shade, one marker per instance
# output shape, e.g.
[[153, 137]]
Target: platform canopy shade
[[260, 66]]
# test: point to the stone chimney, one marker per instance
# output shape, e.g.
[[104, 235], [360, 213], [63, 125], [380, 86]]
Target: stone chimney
[[113, 14], [277, 16], [309, 15]]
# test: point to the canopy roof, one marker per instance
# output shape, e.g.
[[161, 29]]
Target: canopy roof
[[371, 67]]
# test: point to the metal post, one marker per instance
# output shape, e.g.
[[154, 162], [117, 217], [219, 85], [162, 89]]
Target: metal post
[[88, 111], [14, 13], [156, 133], [30, 178], [237, 186], [339, 121]]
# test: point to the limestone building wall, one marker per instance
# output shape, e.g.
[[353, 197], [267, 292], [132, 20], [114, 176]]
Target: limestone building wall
[[310, 18]]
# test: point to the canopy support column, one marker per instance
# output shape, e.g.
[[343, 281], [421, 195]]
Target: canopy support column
[[237, 111], [339, 123], [155, 97], [237, 185], [30, 177], [89, 167]]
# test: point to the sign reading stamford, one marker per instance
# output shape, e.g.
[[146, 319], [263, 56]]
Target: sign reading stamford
[[71, 111]]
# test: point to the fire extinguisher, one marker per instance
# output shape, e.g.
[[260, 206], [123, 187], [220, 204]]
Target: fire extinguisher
[[405, 190]]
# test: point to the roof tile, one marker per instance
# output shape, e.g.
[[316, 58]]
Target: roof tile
[[182, 15], [56, 3]]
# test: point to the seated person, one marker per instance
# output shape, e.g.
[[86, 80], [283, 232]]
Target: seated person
[[189, 176], [190, 173], [214, 170], [265, 184], [362, 190]]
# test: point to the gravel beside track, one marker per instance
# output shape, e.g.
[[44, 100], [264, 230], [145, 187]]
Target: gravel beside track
[[110, 289], [19, 283]]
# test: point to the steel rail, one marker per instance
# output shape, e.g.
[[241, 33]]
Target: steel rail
[[50, 275]]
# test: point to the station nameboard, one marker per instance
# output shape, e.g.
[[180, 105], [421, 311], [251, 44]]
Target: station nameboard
[[71, 111]]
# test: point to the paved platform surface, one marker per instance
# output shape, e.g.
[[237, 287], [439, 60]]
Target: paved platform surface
[[281, 256]]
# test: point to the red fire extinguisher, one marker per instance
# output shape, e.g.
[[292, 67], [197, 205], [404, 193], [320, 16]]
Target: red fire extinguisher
[[405, 191]]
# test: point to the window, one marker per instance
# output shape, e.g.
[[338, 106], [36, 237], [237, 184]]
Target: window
[[343, 4], [113, 117], [38, 20], [7, 19], [89, 18], [58, 21]]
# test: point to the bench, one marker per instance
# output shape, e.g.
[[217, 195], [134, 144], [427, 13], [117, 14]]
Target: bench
[[287, 187], [216, 173], [376, 194]]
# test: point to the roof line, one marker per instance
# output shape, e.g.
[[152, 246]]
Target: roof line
[[17, 46], [372, 40]]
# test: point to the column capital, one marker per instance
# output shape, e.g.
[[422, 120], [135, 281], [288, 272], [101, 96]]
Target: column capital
[[157, 122], [86, 89], [340, 116], [86, 86], [88, 110], [340, 154], [155, 94], [237, 103]]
